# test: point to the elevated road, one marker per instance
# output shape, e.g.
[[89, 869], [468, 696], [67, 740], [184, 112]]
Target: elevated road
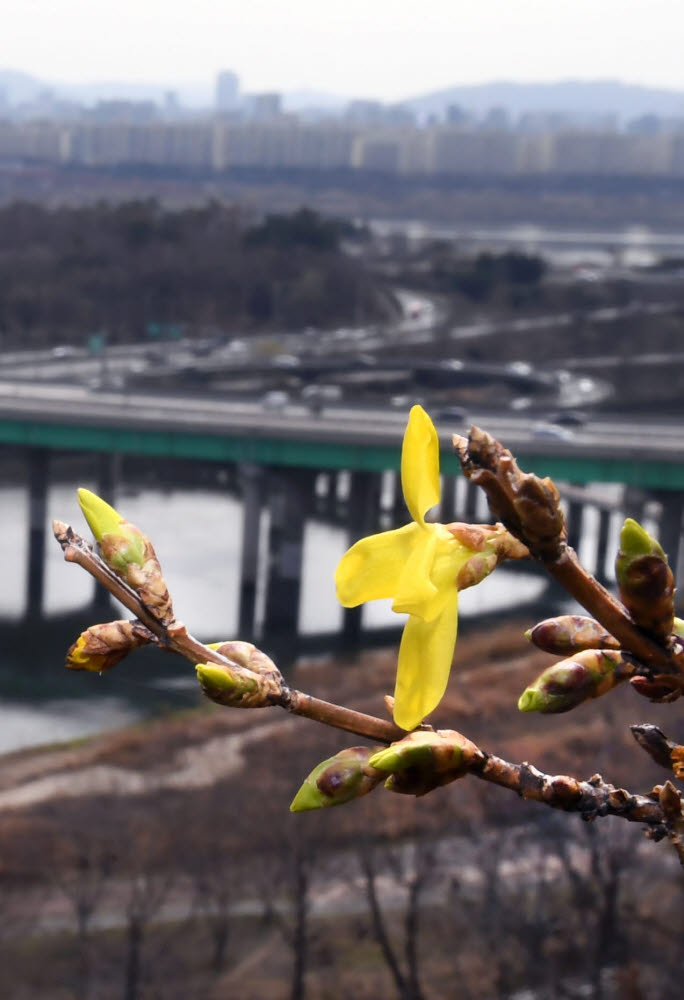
[[341, 436]]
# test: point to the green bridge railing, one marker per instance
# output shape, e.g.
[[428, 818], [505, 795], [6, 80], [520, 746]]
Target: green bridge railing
[[286, 450]]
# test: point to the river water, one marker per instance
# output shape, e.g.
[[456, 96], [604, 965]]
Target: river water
[[197, 536]]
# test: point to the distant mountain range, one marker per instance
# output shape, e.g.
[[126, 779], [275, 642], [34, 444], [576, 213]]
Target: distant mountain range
[[592, 97], [20, 88], [574, 96]]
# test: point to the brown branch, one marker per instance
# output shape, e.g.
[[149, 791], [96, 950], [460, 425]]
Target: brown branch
[[529, 508], [175, 638], [604, 607], [421, 762], [373, 728], [591, 798]]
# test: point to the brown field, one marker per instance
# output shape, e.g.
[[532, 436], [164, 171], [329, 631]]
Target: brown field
[[162, 860]]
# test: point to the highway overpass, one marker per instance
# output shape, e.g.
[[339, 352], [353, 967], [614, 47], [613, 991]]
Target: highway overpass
[[633, 451]]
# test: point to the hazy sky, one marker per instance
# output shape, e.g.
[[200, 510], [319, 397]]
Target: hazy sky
[[378, 48]]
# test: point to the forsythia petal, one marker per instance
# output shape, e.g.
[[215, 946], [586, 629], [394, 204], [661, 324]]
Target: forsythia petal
[[371, 568], [425, 658], [415, 591], [420, 465]]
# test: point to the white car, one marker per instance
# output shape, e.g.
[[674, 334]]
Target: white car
[[544, 429], [275, 400]]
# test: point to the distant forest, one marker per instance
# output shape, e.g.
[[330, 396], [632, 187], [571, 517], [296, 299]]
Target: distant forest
[[123, 269]]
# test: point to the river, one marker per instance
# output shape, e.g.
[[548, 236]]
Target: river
[[636, 245]]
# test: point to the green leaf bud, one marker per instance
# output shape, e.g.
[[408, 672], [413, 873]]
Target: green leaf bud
[[567, 634], [635, 541], [424, 760], [102, 519], [337, 780], [232, 685], [129, 553], [645, 580], [568, 683], [247, 655]]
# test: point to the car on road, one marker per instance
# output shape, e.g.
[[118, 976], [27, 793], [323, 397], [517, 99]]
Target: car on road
[[456, 413], [286, 361], [544, 429], [404, 400], [325, 392], [568, 418], [275, 400]]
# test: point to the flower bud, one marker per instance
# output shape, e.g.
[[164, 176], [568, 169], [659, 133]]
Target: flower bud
[[248, 656], [101, 647], [124, 543], [566, 684], [490, 544], [645, 580], [537, 505], [424, 760], [527, 505], [569, 634], [232, 685], [339, 779], [129, 553], [476, 569]]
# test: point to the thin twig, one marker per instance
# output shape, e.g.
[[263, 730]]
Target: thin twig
[[176, 638]]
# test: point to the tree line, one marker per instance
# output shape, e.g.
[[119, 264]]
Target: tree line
[[69, 272]]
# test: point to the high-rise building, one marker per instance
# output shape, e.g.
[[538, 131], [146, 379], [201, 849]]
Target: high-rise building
[[227, 91], [265, 107]]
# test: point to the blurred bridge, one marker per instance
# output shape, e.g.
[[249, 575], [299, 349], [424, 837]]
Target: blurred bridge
[[340, 463]]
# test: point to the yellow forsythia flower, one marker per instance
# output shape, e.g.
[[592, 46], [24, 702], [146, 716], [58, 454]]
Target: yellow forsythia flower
[[417, 566]]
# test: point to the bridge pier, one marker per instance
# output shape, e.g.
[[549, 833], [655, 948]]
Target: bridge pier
[[670, 526], [470, 503], [290, 503], [38, 461], [634, 501], [601, 570], [251, 479], [575, 519], [448, 503], [398, 511], [363, 503]]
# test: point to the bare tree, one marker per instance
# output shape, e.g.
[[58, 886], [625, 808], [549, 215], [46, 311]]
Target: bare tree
[[210, 854], [412, 867]]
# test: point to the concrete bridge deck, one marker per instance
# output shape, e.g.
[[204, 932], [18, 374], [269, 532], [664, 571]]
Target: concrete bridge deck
[[628, 450]]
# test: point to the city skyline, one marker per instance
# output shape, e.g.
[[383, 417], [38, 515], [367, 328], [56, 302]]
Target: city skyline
[[347, 49]]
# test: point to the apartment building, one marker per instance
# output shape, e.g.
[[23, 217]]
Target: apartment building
[[221, 143]]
